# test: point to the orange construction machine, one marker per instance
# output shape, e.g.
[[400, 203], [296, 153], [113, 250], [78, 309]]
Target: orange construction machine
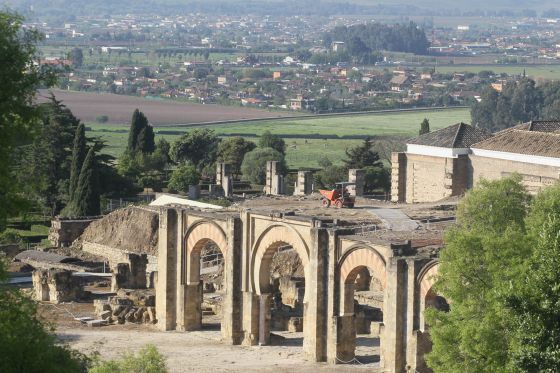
[[339, 196]]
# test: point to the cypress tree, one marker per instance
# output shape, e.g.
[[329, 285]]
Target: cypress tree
[[86, 195], [424, 127], [146, 142], [78, 156], [138, 123]]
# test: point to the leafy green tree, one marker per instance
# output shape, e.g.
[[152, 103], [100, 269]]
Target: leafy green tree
[[79, 152], [26, 343], [377, 178], [184, 176], [330, 174], [253, 167], [535, 307], [198, 147], [362, 156], [85, 201], [268, 140], [233, 150], [20, 78], [147, 360], [483, 261], [424, 127]]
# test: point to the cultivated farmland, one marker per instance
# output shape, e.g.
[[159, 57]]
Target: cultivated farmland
[[88, 106], [304, 145]]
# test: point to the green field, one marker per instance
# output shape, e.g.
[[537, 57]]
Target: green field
[[305, 151]]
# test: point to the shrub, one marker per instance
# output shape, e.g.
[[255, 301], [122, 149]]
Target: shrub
[[184, 176], [102, 119], [148, 360]]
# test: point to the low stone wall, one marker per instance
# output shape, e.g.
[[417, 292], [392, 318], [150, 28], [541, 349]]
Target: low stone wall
[[65, 231]]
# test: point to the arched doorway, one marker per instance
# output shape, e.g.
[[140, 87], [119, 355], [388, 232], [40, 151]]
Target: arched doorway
[[429, 298], [204, 277], [279, 268], [362, 286]]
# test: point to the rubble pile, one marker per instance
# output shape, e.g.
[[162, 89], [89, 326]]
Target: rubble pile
[[134, 308]]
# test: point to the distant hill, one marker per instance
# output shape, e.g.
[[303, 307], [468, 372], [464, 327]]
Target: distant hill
[[66, 8]]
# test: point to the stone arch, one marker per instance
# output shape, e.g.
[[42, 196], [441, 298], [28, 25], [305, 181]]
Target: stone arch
[[196, 237], [264, 249], [426, 279], [352, 262]]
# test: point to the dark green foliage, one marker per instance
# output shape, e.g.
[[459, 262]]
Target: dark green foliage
[[141, 135], [253, 167], [44, 164], [20, 79], [78, 155], [233, 150], [424, 127], [184, 176], [198, 147], [362, 156], [363, 39], [517, 103], [377, 179], [25, 342], [268, 140], [85, 201]]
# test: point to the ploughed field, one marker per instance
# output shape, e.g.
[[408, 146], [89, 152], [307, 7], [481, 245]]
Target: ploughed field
[[88, 106], [307, 139]]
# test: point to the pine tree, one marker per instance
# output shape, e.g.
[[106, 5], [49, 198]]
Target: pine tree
[[78, 156], [145, 143], [86, 195], [424, 127], [362, 156]]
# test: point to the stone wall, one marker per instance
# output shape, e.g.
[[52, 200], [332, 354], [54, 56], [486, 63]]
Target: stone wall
[[65, 231], [535, 177]]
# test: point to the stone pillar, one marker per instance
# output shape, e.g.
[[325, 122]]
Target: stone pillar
[[224, 178], [356, 176], [398, 177], [166, 285], [346, 343], [274, 180], [193, 307], [412, 309], [315, 306], [393, 335], [181, 267], [232, 329], [264, 319], [40, 284], [251, 310], [304, 183]]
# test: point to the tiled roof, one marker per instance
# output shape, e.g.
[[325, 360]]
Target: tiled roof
[[545, 144], [537, 126], [460, 135]]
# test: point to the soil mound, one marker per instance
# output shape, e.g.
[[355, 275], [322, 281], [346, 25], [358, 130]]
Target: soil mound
[[133, 229]]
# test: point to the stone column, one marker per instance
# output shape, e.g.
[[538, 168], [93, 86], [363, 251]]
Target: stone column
[[274, 181], [356, 176], [251, 310], [181, 270], [232, 331], [264, 319], [316, 286], [304, 183], [193, 307], [393, 335], [166, 284]]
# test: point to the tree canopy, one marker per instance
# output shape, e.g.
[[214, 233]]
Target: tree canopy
[[499, 272], [424, 127], [269, 140], [20, 78], [198, 147], [233, 150], [253, 167]]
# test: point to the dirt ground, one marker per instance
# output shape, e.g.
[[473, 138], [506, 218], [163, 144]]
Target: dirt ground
[[87, 106], [199, 351]]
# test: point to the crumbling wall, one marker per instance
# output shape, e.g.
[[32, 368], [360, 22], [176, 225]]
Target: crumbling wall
[[56, 286], [64, 231]]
